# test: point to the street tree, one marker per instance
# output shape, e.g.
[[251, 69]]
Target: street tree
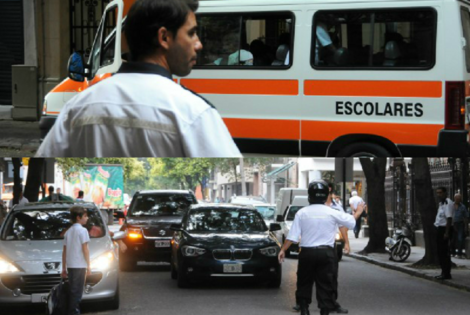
[[427, 209], [189, 172], [34, 179], [374, 170]]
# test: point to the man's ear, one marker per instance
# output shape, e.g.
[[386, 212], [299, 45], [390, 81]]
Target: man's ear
[[164, 38]]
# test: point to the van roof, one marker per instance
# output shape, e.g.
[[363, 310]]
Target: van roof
[[238, 3], [300, 201]]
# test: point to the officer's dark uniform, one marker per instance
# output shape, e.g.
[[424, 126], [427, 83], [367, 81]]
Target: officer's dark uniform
[[316, 225]]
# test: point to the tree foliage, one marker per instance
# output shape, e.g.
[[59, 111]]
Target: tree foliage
[[188, 172]]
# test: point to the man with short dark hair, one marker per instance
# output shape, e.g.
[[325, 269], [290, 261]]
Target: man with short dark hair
[[80, 195], [141, 111], [443, 224]]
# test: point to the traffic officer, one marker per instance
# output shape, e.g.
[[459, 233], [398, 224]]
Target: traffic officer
[[141, 111], [315, 227]]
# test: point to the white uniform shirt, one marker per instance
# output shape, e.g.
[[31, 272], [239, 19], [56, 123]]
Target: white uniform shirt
[[139, 112], [74, 238], [445, 210], [355, 201], [316, 225]]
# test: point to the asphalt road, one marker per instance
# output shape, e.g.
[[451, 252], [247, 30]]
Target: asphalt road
[[364, 289]]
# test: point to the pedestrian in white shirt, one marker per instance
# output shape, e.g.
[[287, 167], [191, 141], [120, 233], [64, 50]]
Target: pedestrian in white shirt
[[444, 228], [315, 226], [354, 202], [141, 111], [76, 257]]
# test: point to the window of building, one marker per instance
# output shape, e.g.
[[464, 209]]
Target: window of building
[[380, 39], [245, 41]]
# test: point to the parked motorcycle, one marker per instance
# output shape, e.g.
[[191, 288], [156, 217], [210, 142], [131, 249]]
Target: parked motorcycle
[[399, 246]]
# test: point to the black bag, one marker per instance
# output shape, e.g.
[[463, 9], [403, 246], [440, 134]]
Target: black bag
[[58, 299]]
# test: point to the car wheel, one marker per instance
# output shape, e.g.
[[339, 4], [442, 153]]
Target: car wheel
[[174, 273], [276, 281], [182, 279], [363, 149], [114, 303], [126, 263]]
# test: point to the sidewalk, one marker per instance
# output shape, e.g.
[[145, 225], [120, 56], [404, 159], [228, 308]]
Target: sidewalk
[[23, 137], [460, 275]]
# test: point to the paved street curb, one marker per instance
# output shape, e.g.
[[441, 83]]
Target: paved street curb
[[409, 271]]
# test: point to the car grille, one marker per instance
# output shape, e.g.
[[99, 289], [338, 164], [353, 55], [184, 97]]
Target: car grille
[[156, 233], [33, 284], [236, 254]]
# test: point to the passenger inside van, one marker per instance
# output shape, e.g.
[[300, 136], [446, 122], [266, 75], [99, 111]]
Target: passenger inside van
[[324, 47], [232, 55]]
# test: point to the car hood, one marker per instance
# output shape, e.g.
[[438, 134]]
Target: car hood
[[31, 255], [226, 240]]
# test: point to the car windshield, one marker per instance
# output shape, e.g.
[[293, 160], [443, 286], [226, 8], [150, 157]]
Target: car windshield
[[48, 225], [292, 211], [267, 212], [161, 205], [225, 220]]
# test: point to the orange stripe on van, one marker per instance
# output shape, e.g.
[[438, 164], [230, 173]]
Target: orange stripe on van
[[69, 86], [417, 134], [374, 88], [246, 87], [263, 128]]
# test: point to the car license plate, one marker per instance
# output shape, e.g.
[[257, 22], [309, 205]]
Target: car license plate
[[38, 298], [232, 268], [159, 244]]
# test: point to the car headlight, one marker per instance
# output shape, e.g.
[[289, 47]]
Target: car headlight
[[7, 267], [338, 236], [191, 251], [103, 262], [270, 251]]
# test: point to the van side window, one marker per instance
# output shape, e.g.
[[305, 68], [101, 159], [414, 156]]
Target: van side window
[[465, 14], [102, 53], [245, 41], [374, 39]]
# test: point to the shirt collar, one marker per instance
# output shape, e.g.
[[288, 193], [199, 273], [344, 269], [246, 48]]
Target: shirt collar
[[145, 68]]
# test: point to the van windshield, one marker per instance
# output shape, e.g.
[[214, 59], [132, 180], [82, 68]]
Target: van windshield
[[465, 14], [48, 225]]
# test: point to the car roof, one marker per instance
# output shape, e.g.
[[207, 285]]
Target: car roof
[[264, 205], [170, 191], [222, 206], [52, 205]]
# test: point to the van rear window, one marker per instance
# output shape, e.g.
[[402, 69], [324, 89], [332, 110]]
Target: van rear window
[[381, 39], [245, 40], [465, 14]]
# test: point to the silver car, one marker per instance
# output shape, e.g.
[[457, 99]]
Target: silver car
[[31, 243]]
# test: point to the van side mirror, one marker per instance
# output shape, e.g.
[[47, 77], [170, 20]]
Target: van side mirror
[[275, 227], [176, 227], [76, 67], [279, 218]]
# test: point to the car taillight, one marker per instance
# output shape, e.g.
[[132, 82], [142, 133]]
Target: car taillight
[[455, 105]]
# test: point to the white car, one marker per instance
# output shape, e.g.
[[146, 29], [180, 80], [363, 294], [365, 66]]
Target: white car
[[31, 244]]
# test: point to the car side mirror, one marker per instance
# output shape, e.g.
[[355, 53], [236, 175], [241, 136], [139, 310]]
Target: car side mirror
[[279, 218], [76, 67], [176, 227], [275, 227], [119, 235]]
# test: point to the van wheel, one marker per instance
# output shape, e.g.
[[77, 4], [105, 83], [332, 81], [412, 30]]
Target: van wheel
[[363, 149]]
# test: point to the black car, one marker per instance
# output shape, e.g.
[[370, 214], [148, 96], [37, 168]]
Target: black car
[[216, 240], [148, 223]]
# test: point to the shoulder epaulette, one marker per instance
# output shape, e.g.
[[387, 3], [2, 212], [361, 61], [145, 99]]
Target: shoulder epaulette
[[203, 98]]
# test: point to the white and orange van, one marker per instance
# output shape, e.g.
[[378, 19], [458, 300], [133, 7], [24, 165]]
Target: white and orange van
[[321, 77]]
